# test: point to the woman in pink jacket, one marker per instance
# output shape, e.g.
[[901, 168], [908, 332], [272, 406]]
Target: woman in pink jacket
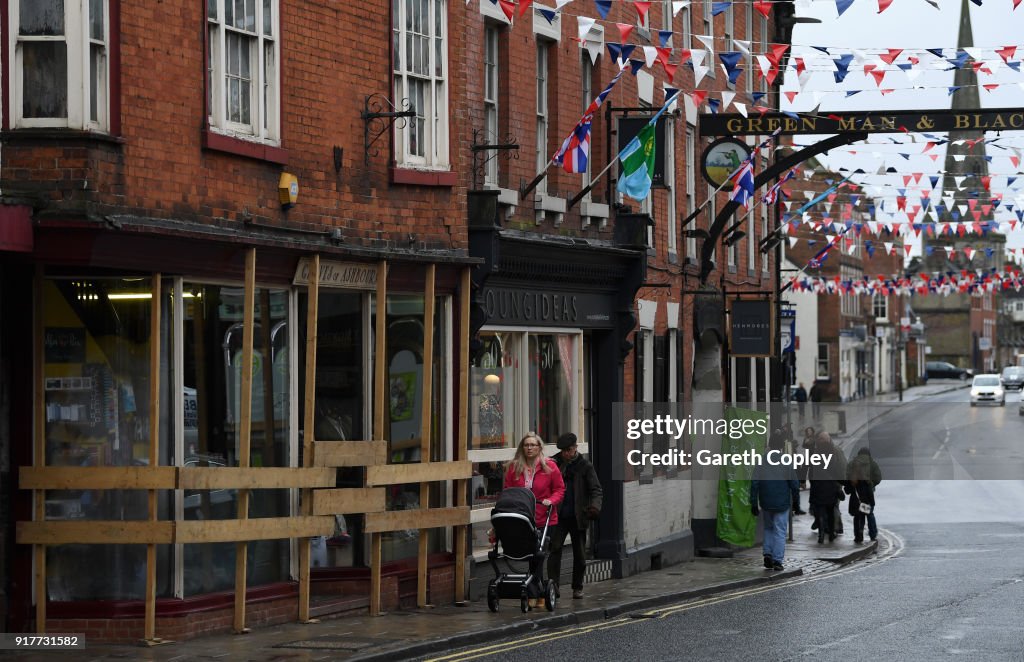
[[529, 468]]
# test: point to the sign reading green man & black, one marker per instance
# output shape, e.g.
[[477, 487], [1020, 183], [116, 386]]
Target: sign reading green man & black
[[894, 121]]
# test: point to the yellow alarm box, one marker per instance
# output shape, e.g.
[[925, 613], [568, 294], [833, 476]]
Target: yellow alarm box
[[288, 189]]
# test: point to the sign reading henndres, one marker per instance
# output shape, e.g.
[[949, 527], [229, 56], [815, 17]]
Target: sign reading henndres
[[893, 121]]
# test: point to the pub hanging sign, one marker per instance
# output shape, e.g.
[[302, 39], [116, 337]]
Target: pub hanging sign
[[751, 328]]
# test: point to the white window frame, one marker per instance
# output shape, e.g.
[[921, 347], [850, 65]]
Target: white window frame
[[78, 43], [691, 187], [543, 77], [880, 304], [434, 116], [709, 31], [587, 69], [492, 80], [264, 123], [670, 184], [822, 361]]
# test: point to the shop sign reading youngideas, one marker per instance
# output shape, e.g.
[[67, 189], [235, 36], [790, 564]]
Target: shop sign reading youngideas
[[519, 306]]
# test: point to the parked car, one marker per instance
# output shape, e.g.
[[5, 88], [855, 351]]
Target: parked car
[[987, 388], [943, 370], [1012, 378]]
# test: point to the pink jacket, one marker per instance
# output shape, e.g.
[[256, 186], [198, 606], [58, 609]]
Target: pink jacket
[[545, 486]]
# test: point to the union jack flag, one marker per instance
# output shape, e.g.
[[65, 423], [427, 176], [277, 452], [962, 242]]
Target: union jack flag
[[743, 190], [574, 153], [773, 193]]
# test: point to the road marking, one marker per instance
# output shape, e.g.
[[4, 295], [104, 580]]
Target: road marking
[[943, 445], [532, 641], [894, 549]]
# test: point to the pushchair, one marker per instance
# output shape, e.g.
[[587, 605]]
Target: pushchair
[[518, 540]]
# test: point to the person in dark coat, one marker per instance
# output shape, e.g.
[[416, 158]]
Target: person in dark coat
[[815, 397], [800, 396], [826, 489], [582, 503], [862, 476], [772, 490]]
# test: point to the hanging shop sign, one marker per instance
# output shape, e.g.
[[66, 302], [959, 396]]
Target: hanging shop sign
[[722, 158], [750, 328], [788, 330], [894, 121], [349, 275]]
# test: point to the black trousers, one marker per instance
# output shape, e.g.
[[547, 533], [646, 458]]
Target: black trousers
[[579, 559], [826, 517]]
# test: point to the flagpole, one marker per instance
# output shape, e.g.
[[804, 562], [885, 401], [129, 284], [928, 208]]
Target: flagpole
[[579, 196], [536, 180]]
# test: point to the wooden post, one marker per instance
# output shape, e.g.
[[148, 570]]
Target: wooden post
[[425, 411], [462, 442], [149, 633], [245, 431], [308, 422], [380, 366], [39, 445]]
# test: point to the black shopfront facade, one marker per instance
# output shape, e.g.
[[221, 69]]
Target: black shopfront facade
[[550, 321]]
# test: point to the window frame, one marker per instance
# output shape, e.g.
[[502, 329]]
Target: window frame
[[492, 108], [78, 43], [821, 361], [264, 126], [436, 129], [543, 87]]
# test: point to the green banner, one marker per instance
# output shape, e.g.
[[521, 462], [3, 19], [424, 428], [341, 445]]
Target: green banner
[[736, 524]]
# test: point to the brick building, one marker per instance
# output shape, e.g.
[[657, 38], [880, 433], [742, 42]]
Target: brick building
[[857, 352], [260, 280]]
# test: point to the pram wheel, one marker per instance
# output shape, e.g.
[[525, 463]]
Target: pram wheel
[[550, 596], [492, 597], [524, 602]]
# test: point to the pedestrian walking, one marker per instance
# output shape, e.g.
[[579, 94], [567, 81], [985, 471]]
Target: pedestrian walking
[[862, 477], [827, 489], [800, 396], [815, 397], [580, 505], [772, 490], [529, 468]]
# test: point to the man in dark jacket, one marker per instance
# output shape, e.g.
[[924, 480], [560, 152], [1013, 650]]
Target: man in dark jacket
[[581, 503], [772, 491]]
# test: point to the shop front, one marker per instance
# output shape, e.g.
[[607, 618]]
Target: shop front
[[550, 318], [207, 439]]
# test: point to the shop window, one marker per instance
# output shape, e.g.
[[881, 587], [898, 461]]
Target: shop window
[[96, 381], [519, 381], [404, 409], [342, 408], [212, 371]]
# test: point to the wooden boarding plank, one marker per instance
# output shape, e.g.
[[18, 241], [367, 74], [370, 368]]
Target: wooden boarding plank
[[97, 478], [149, 620], [397, 474], [94, 532], [39, 439], [380, 336], [349, 453], [245, 430], [462, 442], [429, 518], [255, 478], [257, 528], [375, 561], [309, 421], [343, 501], [425, 417]]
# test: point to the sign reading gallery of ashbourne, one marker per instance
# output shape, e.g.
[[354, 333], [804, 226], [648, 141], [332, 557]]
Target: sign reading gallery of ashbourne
[[349, 275]]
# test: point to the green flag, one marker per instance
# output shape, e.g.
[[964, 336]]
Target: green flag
[[736, 524], [638, 164]]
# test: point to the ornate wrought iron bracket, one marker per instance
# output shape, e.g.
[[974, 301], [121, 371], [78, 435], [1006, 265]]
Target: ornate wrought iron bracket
[[377, 120], [484, 152]]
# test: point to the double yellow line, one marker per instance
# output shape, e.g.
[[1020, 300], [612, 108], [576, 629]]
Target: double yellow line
[[895, 547]]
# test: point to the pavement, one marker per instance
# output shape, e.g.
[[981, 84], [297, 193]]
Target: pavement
[[414, 633]]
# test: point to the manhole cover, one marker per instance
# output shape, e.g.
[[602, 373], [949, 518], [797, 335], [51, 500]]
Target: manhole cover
[[335, 642]]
